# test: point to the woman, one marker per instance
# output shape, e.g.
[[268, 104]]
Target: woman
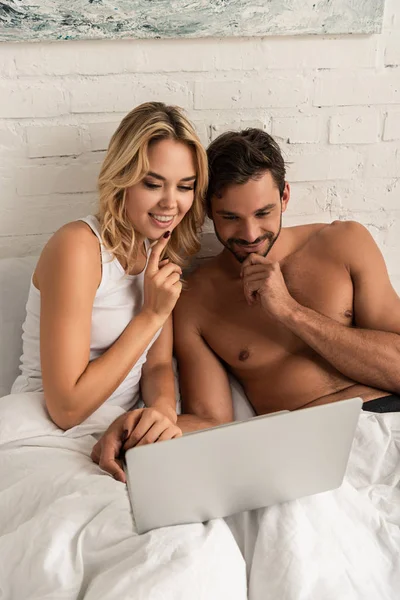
[[99, 308]]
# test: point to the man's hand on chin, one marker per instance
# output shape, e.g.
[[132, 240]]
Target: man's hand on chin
[[263, 283]]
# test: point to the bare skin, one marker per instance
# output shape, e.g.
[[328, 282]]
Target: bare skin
[[314, 321], [301, 316]]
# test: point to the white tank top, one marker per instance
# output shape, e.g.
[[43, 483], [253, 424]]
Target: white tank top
[[118, 299]]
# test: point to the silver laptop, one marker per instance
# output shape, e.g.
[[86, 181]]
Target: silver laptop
[[241, 466]]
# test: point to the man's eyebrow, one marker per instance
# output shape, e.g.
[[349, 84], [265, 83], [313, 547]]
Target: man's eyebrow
[[265, 208], [259, 210], [224, 212], [161, 178]]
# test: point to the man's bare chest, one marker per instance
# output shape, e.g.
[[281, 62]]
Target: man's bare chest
[[244, 337]]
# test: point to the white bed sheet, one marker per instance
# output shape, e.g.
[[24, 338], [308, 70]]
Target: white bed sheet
[[343, 544], [66, 528]]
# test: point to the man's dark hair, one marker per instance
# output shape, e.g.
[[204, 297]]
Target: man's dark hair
[[236, 157]]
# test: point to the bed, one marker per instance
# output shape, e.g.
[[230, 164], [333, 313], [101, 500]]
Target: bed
[[67, 530]]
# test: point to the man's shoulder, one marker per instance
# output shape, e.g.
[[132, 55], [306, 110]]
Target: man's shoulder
[[345, 233], [334, 228], [332, 232], [197, 290], [202, 277], [339, 239]]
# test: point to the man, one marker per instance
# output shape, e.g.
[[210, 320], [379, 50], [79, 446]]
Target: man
[[299, 315]]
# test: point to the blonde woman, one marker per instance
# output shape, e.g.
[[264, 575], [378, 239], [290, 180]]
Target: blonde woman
[[99, 308]]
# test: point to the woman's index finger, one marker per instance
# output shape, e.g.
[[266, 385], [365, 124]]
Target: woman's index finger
[[156, 251]]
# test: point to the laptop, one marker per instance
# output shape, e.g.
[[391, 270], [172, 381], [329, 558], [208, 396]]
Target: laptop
[[241, 466]]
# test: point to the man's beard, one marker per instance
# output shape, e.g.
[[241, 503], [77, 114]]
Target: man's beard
[[231, 243]]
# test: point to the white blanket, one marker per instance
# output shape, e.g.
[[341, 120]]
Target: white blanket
[[66, 528], [339, 545]]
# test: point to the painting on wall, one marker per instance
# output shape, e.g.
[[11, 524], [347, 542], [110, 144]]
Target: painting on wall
[[41, 20]]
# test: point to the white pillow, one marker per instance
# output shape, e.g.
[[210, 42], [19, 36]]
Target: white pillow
[[15, 277]]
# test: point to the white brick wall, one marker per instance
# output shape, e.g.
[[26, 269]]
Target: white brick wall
[[53, 140], [333, 103], [297, 130], [392, 126], [363, 128]]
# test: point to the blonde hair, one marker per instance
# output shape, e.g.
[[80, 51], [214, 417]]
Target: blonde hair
[[126, 163]]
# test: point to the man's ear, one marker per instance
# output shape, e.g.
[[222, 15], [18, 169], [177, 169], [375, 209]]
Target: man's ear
[[285, 196]]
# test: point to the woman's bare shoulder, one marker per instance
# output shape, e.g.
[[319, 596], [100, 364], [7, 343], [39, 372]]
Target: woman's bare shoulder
[[72, 248]]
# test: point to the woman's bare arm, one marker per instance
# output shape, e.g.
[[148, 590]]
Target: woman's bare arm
[[68, 274]]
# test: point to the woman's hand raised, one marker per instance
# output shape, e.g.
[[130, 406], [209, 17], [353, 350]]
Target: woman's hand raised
[[162, 285]]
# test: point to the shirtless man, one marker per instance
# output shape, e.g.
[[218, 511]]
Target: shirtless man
[[299, 315]]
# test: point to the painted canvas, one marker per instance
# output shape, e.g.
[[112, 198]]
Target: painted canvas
[[39, 20]]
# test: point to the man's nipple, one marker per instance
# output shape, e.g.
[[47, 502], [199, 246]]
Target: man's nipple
[[244, 355]]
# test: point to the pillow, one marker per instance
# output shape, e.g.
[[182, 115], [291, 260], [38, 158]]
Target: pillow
[[15, 277]]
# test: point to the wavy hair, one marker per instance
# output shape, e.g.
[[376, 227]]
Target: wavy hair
[[126, 163]]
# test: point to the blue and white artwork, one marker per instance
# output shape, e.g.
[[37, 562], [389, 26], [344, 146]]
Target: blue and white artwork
[[40, 20]]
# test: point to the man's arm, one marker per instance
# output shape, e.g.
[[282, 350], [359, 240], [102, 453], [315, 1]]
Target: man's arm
[[368, 353], [157, 384], [204, 384]]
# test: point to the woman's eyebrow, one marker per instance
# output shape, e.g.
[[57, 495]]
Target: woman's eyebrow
[[157, 176]]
